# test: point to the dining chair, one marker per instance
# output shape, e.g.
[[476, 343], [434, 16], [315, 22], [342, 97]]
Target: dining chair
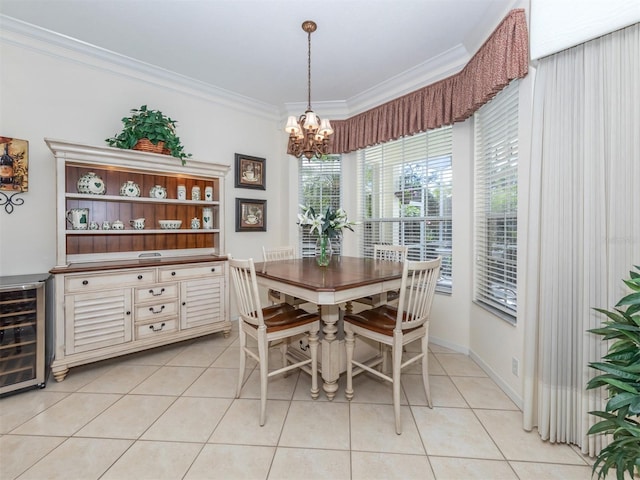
[[393, 328], [274, 254], [265, 325], [394, 253]]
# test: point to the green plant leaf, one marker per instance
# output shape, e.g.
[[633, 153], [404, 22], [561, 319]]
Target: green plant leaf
[[631, 299], [614, 370], [620, 400]]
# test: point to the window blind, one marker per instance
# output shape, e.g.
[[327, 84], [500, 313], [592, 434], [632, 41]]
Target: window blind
[[496, 202], [319, 181], [406, 193]]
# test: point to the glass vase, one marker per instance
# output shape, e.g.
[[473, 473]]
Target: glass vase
[[323, 250]]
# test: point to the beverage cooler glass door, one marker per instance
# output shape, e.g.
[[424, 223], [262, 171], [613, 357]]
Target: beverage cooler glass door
[[22, 308]]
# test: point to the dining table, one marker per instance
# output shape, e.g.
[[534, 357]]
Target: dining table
[[331, 288]]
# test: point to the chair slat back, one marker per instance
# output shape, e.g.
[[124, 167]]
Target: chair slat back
[[243, 274], [394, 253], [278, 253], [419, 281]]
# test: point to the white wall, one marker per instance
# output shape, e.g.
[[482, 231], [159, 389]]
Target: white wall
[[560, 24], [49, 91]]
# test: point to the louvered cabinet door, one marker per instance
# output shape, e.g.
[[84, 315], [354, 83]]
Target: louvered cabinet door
[[202, 302], [98, 320]]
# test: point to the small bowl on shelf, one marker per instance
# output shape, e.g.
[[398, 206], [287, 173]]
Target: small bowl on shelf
[[170, 224]]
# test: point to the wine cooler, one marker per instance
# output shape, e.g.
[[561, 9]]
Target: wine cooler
[[22, 332]]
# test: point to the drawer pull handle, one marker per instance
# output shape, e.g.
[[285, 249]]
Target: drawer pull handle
[[156, 294], [156, 311], [139, 277], [173, 274], [85, 282], [151, 327]]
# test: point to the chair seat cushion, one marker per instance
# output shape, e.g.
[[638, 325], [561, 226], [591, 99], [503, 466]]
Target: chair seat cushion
[[282, 316], [381, 319]]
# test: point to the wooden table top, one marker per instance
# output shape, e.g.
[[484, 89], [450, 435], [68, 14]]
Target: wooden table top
[[341, 274]]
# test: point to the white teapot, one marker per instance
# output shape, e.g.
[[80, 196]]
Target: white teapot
[[158, 192]]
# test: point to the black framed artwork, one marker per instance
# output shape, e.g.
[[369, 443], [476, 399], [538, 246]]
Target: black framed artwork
[[251, 215], [250, 172]]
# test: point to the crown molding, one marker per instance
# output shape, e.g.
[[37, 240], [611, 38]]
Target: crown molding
[[50, 43]]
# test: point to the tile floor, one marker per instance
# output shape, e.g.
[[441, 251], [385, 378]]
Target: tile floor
[[171, 413]]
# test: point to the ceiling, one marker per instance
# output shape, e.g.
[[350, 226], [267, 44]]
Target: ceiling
[[257, 48]]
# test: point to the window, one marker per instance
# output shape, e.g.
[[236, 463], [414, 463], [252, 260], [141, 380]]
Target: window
[[319, 188], [496, 202], [406, 191]]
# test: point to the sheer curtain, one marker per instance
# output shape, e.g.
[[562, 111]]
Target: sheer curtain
[[584, 227]]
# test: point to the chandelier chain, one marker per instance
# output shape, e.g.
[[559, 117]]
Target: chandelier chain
[[309, 70]]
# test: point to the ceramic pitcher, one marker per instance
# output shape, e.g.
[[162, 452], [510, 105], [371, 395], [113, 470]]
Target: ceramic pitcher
[[78, 218]]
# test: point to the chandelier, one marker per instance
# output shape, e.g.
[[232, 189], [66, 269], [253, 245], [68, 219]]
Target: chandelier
[[308, 135]]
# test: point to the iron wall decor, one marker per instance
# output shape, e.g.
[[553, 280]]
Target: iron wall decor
[[14, 171], [250, 172], [251, 215]]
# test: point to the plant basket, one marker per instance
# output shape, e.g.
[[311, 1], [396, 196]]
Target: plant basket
[[145, 145]]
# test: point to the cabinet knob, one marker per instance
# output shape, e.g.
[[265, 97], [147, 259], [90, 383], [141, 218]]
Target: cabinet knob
[[85, 282], [213, 269], [139, 277], [173, 274], [128, 312], [184, 303]]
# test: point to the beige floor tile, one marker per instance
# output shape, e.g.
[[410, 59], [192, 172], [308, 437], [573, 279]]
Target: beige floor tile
[[279, 387], [505, 427], [69, 415], [18, 452], [316, 425], [389, 466], [78, 458], [129, 417], [188, 419], [303, 389], [457, 364], [154, 461], [373, 429], [120, 379], [214, 382], [449, 468], [241, 423], [78, 377], [17, 409], [169, 381], [228, 462], [367, 388], [297, 463], [552, 471], [155, 356], [230, 358], [440, 349], [482, 392], [201, 354], [435, 368], [443, 392], [454, 432]]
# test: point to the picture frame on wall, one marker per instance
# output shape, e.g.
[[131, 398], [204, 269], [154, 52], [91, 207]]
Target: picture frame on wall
[[250, 172], [14, 164], [251, 215]]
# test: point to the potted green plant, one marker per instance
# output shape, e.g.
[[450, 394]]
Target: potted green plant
[[621, 377], [149, 130]]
